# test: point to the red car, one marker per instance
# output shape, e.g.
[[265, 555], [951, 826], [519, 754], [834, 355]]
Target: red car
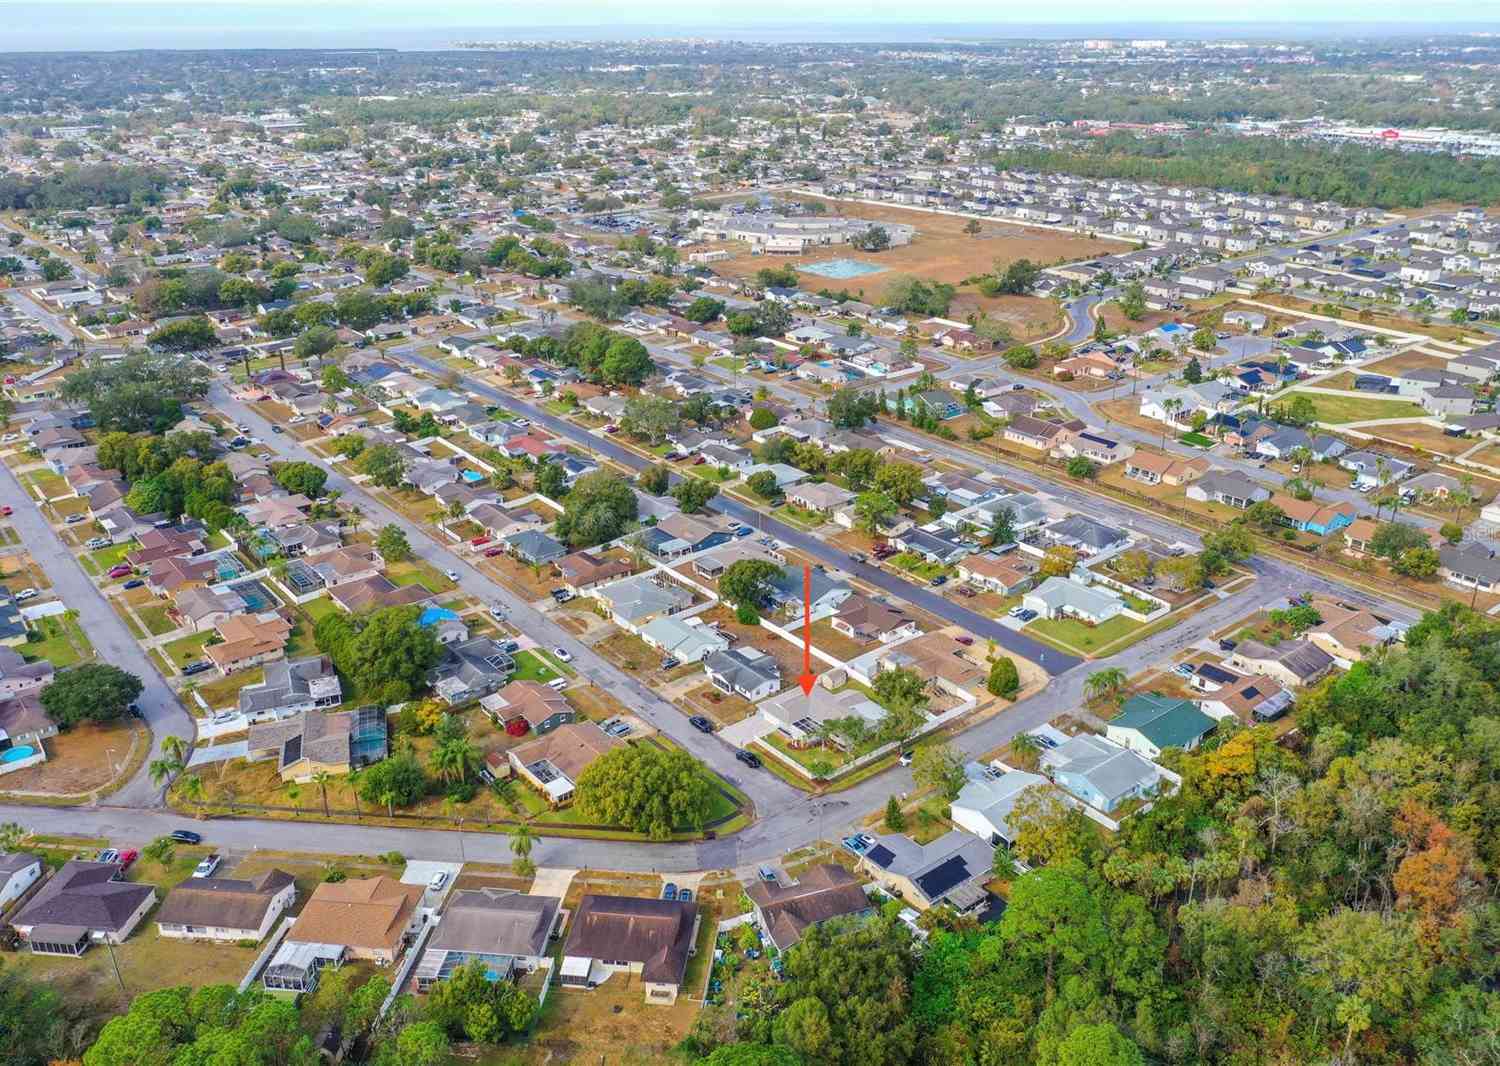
[[128, 856], [700, 460], [483, 538], [492, 552], [121, 570], [6, 510]]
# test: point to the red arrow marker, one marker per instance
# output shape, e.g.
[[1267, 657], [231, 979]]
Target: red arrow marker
[[808, 678]]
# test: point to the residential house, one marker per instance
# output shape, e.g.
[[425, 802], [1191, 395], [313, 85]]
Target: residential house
[[471, 669], [819, 496], [1150, 723], [866, 620], [1228, 487], [1085, 535], [985, 803], [1348, 634], [1101, 774], [822, 893], [1469, 565], [636, 600], [554, 761], [248, 640], [1250, 700], [225, 908], [82, 903], [1153, 469], [1311, 516], [583, 570], [1295, 663], [508, 932], [744, 671], [649, 938], [952, 870], [19, 870], [686, 640], [1062, 597], [523, 706], [1006, 573], [291, 686], [799, 717], [314, 742], [370, 918]]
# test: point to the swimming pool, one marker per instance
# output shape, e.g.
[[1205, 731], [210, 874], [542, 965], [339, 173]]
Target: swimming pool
[[25, 751], [471, 476], [841, 269]]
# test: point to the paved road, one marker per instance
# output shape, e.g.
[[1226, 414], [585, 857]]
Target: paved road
[[111, 639], [920, 595], [534, 623]]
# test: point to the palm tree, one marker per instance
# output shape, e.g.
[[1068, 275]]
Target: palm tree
[[353, 780], [193, 791], [321, 779], [163, 770], [1105, 684], [1027, 750], [388, 797], [521, 840], [1171, 407], [453, 759], [174, 747], [294, 793]]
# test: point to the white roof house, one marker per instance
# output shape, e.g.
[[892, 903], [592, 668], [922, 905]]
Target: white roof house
[[683, 639], [984, 805], [1062, 597]]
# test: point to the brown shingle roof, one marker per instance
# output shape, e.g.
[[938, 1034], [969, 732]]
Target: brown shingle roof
[[225, 902], [657, 933], [371, 912], [825, 892]]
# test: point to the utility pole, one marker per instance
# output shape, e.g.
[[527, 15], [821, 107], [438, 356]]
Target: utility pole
[[116, 964]]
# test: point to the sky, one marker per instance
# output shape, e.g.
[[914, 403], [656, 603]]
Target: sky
[[60, 25]]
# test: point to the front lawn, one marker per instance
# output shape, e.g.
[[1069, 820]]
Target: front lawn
[[530, 666], [914, 564], [155, 619], [188, 649], [1197, 440], [1073, 635], [63, 642]]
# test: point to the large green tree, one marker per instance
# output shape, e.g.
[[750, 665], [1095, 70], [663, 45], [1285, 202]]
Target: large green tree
[[646, 789], [90, 692]]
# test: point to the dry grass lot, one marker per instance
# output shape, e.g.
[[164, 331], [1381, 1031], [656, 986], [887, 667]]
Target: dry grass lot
[[1425, 438], [78, 761], [1412, 360]]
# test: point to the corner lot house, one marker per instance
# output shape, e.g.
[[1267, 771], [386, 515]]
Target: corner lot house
[[506, 930], [225, 908], [82, 903], [1293, 663], [553, 763], [1062, 597], [1150, 724], [649, 938], [824, 893]]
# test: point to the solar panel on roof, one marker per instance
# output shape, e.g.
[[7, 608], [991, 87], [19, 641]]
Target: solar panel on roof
[[881, 856], [944, 877]]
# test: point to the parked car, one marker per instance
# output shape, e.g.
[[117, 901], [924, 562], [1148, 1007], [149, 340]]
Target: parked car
[[196, 668], [490, 553], [108, 855], [562, 596], [1184, 670], [905, 759], [743, 531], [451, 575], [207, 867], [938, 581], [749, 758], [1228, 645], [701, 724], [496, 611], [768, 875], [134, 710], [438, 880], [121, 569], [7, 510], [134, 583], [27, 594], [685, 895], [277, 429], [74, 519], [483, 538], [669, 891], [128, 856], [185, 836], [97, 542], [967, 642], [563, 655], [557, 684], [671, 662]]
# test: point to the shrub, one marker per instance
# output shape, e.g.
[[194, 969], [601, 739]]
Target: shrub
[[746, 615]]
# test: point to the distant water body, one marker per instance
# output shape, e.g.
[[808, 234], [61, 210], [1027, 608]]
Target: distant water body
[[128, 24]]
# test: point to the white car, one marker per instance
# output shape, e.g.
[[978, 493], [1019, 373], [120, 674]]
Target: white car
[[296, 420], [27, 594], [557, 684], [10, 437], [439, 879], [451, 575], [207, 867], [563, 655]]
